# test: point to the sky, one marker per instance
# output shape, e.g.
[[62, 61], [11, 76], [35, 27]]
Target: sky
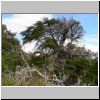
[[19, 22]]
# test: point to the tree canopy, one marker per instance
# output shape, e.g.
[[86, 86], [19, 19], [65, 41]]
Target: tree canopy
[[53, 31]]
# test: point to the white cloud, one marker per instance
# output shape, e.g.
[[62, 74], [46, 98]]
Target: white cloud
[[19, 22], [92, 47], [29, 47], [89, 46], [90, 42]]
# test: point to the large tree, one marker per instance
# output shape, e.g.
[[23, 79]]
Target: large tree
[[51, 34]]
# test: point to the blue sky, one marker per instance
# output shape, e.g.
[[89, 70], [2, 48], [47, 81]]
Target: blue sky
[[88, 21], [18, 22]]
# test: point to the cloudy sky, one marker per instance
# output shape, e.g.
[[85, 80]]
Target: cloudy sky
[[19, 22]]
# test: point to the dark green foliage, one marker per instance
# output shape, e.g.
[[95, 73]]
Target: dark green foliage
[[71, 80], [33, 32], [37, 60], [88, 70], [50, 22], [71, 46], [8, 62], [6, 45], [50, 43], [10, 56], [91, 70]]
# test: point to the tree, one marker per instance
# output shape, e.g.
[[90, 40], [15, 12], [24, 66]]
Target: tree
[[56, 29], [51, 34], [10, 56]]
